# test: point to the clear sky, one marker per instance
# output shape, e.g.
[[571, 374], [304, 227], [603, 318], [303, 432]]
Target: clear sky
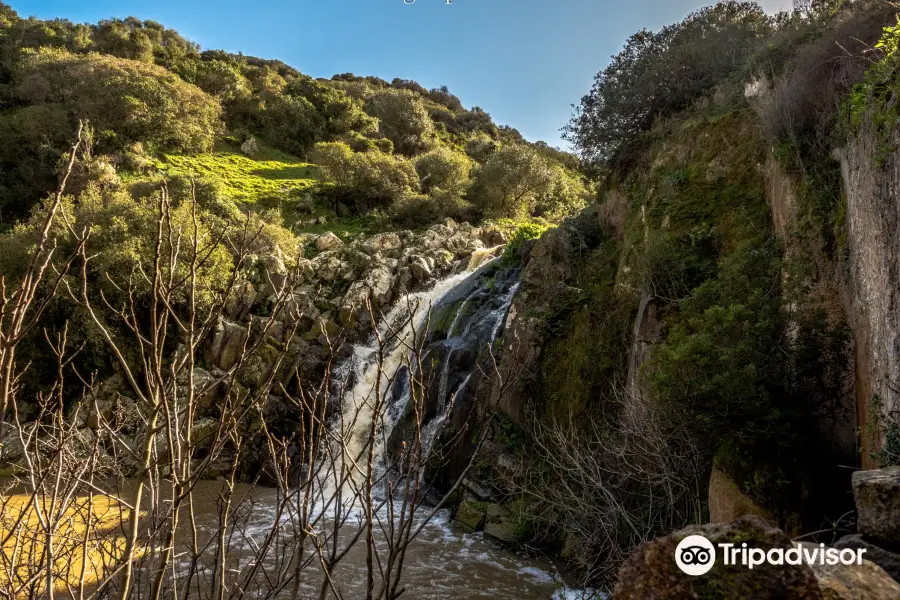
[[524, 61]]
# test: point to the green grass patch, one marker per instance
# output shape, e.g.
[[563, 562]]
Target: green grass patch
[[270, 178]]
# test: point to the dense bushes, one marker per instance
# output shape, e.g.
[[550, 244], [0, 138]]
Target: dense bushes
[[144, 90], [364, 180], [444, 173], [125, 101], [29, 153], [825, 55], [518, 180]]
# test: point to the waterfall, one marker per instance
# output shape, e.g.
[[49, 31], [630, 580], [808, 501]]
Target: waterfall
[[475, 304]]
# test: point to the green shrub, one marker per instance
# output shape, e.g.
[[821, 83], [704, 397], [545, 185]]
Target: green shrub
[[125, 101], [364, 180], [444, 173], [512, 181], [402, 118], [33, 140], [522, 233]]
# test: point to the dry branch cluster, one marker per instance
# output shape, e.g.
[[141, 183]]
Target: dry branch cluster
[[71, 523]]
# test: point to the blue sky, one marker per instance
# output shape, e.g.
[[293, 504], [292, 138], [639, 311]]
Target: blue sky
[[524, 61]]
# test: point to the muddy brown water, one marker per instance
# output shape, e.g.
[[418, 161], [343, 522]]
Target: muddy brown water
[[442, 563]]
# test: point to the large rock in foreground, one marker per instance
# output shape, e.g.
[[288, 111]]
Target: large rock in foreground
[[867, 581], [877, 495], [887, 560], [651, 572]]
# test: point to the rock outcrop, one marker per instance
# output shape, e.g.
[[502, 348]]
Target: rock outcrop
[[877, 495], [873, 278], [652, 573], [728, 503]]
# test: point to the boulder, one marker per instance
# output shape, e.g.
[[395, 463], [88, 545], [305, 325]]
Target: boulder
[[328, 241], [432, 239], [294, 307], [204, 431], [499, 524], [323, 326], [441, 260], [491, 236], [877, 495], [378, 287], [226, 344], [205, 386], [470, 514], [327, 266], [403, 280], [241, 300], [250, 147], [481, 491], [650, 572], [273, 276], [442, 231], [354, 302], [258, 366], [887, 560], [384, 242], [305, 271], [867, 581], [380, 281], [11, 448], [461, 245]]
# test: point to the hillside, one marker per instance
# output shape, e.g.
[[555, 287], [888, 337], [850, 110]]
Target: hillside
[[155, 102]]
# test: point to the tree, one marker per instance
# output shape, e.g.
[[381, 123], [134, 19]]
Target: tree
[[443, 172], [512, 181], [403, 120], [124, 39], [565, 196], [221, 79], [658, 74]]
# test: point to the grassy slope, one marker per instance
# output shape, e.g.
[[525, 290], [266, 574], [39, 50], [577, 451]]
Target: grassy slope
[[271, 175], [270, 180]]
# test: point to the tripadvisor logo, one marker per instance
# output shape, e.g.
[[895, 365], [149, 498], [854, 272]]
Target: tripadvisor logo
[[695, 555]]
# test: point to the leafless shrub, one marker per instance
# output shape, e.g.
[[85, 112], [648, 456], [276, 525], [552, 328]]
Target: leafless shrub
[[805, 99], [612, 482]]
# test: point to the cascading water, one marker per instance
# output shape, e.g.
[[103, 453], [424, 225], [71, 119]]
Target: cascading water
[[377, 375], [454, 324]]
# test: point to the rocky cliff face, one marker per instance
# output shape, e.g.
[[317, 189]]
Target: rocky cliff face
[[873, 280]]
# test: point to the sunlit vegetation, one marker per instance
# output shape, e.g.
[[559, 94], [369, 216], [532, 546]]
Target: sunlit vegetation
[[246, 180]]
